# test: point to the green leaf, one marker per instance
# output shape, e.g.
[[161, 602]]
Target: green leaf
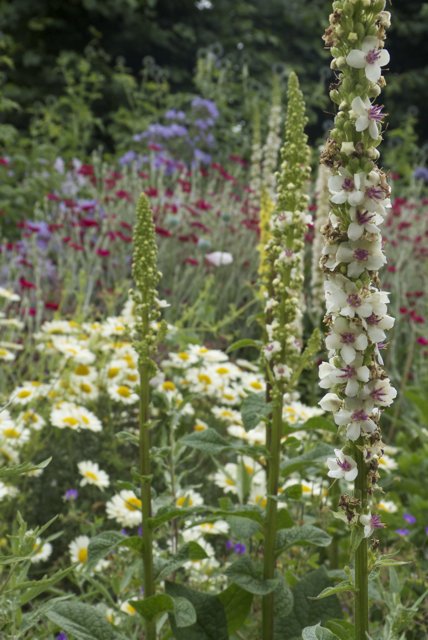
[[357, 536], [208, 441], [237, 606], [420, 402], [246, 575], [302, 536], [342, 628], [283, 598], [244, 511], [318, 633], [190, 551], [37, 587], [133, 542], [124, 436], [254, 407], [211, 623], [246, 342], [342, 586], [81, 621], [242, 527], [284, 520], [151, 608], [317, 455], [103, 544], [314, 423], [19, 469], [308, 612], [170, 512], [293, 493]]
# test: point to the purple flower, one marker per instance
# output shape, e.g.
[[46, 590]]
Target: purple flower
[[240, 548], [62, 636], [426, 530], [71, 494], [409, 518], [205, 158], [402, 532], [229, 544], [140, 531], [209, 105], [128, 158], [172, 114], [421, 173], [124, 532]]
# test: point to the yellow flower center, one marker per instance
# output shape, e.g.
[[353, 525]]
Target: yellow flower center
[[222, 371], [113, 371], [256, 385], [132, 377], [199, 427], [226, 414], [73, 351], [382, 461], [183, 356], [11, 433], [230, 482], [84, 419], [202, 377], [24, 393], [228, 396], [182, 500], [82, 556], [81, 370], [203, 350], [29, 417], [130, 609], [248, 469], [306, 489], [86, 388], [261, 501], [3, 352], [133, 504], [168, 386], [123, 391], [91, 475], [73, 324], [71, 421], [382, 507]]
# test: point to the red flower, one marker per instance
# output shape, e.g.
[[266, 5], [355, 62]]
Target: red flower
[[416, 318], [247, 189], [169, 193], [70, 203], [163, 232], [78, 247], [392, 269], [200, 225], [54, 226], [66, 239], [88, 222], [4, 161], [86, 170], [151, 192], [124, 194], [422, 340], [201, 204], [32, 312], [204, 173], [186, 186], [51, 196], [155, 147], [143, 175], [21, 225], [403, 310], [123, 237], [404, 225], [395, 176], [215, 165], [103, 252], [117, 175], [192, 261], [25, 284], [238, 160], [52, 305], [418, 294], [126, 225]]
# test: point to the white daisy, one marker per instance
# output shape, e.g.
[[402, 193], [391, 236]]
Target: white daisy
[[72, 349], [125, 508], [30, 419], [7, 491], [189, 498], [122, 393], [92, 474], [43, 552], [74, 416], [128, 608], [9, 295]]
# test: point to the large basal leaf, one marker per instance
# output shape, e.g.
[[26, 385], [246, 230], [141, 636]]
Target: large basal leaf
[[317, 455], [237, 605], [19, 469], [245, 574], [211, 623], [82, 621], [283, 597], [242, 527], [301, 536], [315, 423], [151, 608], [253, 409], [189, 551], [208, 441], [307, 612], [103, 544]]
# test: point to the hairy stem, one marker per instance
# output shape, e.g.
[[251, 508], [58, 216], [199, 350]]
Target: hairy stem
[[361, 573]]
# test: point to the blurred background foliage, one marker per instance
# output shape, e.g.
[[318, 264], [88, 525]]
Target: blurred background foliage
[[82, 73]]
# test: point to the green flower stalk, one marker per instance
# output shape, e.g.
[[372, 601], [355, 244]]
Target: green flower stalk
[[256, 159], [273, 143], [322, 196], [285, 280], [150, 335], [353, 252]]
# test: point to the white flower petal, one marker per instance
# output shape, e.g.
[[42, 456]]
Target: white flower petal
[[355, 231], [373, 72], [384, 57], [356, 59], [362, 123]]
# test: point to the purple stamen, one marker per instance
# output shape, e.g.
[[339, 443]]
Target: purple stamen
[[361, 255], [373, 319], [344, 465], [348, 185], [375, 113], [377, 394], [347, 338], [374, 194], [382, 345], [348, 372], [373, 56], [353, 300], [288, 253], [359, 415], [375, 522], [364, 218]]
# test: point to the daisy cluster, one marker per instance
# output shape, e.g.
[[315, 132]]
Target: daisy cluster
[[8, 326], [359, 196], [284, 249]]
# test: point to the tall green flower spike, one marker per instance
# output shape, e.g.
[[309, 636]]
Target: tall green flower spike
[[146, 278], [284, 285]]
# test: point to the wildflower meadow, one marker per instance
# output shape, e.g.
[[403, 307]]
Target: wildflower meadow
[[213, 321]]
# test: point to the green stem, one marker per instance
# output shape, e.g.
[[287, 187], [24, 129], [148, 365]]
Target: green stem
[[272, 513], [146, 497], [361, 573]]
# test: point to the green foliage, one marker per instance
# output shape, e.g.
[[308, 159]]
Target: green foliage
[[82, 621], [248, 576], [254, 408], [237, 604], [301, 536]]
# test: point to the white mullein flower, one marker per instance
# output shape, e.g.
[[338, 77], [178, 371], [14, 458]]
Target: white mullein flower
[[342, 466], [372, 57]]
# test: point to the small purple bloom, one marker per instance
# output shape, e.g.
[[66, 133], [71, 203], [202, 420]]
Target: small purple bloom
[[409, 518], [240, 548], [345, 609], [71, 494], [421, 173], [229, 544], [140, 531], [127, 158], [62, 636], [124, 532], [209, 105], [402, 532], [426, 530]]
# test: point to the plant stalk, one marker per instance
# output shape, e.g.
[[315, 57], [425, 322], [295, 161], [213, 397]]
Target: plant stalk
[[361, 570], [146, 496], [272, 515]]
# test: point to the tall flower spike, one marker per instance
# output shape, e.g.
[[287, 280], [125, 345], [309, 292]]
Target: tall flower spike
[[281, 355], [321, 218], [353, 251], [146, 278], [256, 158], [273, 142]]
